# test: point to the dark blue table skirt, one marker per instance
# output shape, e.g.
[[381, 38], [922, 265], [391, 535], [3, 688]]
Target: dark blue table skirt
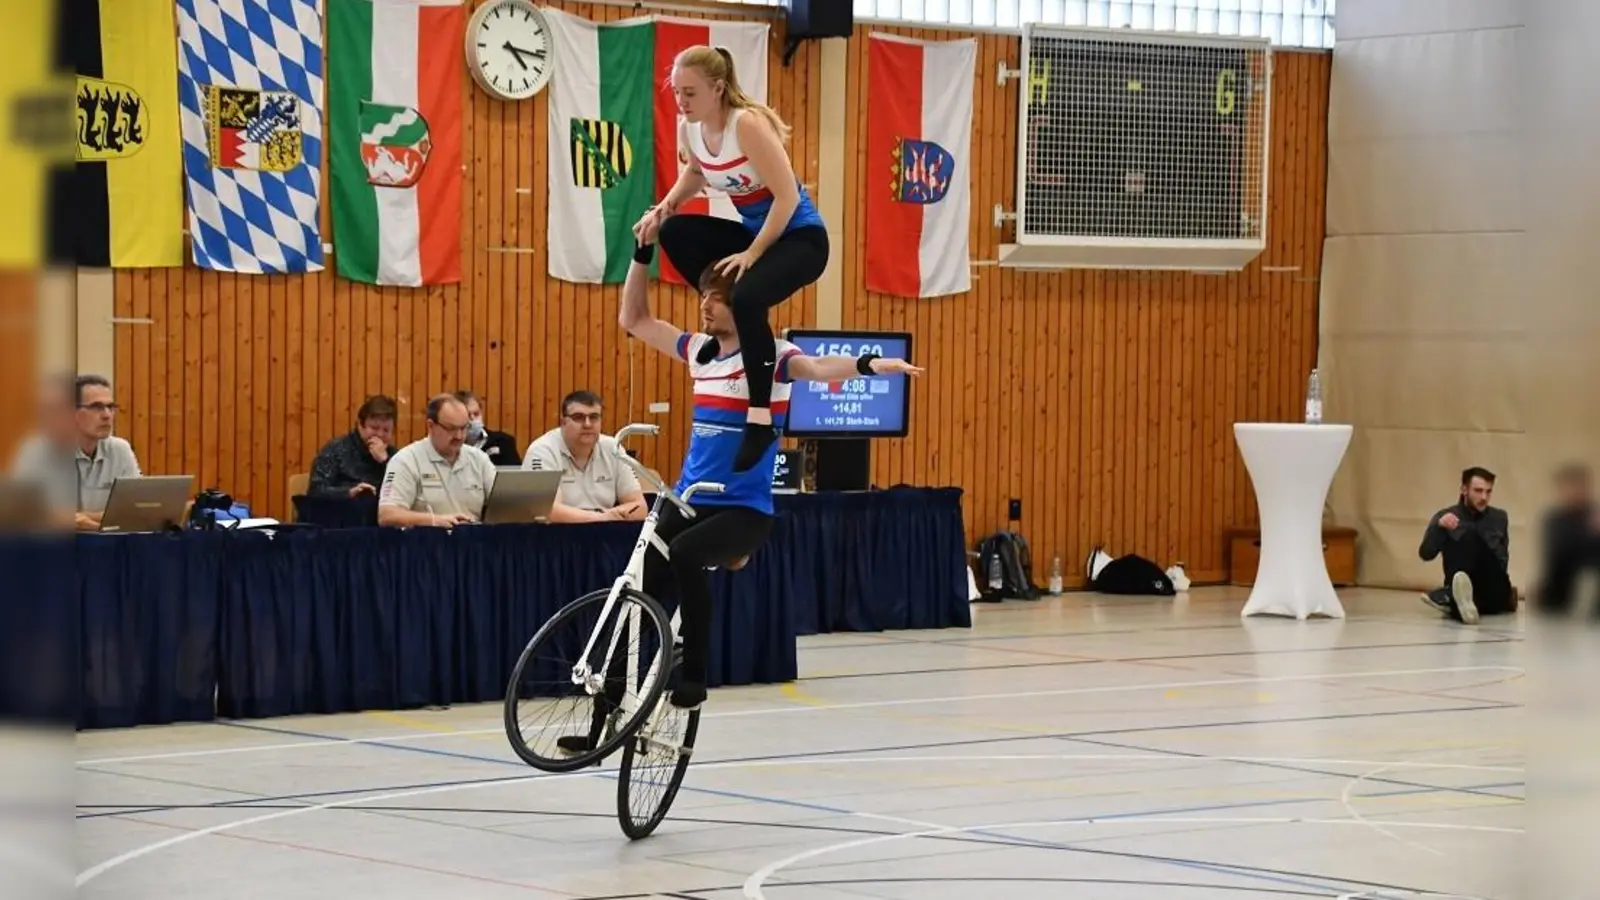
[[184, 627]]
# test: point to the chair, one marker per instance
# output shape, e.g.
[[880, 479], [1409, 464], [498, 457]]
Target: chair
[[299, 483]]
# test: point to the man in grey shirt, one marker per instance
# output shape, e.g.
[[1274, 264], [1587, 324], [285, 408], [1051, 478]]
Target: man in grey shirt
[[75, 457], [596, 486], [1474, 539], [438, 480]]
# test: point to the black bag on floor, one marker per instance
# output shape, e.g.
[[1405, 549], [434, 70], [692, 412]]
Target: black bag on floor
[[1016, 567], [1133, 575]]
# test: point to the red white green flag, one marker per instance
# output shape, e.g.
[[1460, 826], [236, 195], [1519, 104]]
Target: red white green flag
[[395, 139]]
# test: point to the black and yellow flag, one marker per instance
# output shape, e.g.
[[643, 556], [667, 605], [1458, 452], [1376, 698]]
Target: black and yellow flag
[[130, 145], [34, 133]]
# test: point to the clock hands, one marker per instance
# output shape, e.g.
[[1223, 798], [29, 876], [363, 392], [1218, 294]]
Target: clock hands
[[518, 52]]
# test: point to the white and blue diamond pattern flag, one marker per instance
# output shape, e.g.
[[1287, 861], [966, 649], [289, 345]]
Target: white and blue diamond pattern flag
[[250, 83]]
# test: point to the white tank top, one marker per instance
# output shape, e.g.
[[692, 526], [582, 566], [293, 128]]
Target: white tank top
[[730, 171]]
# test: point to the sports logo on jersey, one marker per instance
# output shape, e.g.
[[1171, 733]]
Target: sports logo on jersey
[[111, 120], [602, 155], [395, 144], [251, 129], [737, 184], [922, 171]]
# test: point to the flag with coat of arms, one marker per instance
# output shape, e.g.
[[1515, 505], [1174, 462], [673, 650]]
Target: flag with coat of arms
[[394, 141], [250, 91], [614, 131], [919, 139]]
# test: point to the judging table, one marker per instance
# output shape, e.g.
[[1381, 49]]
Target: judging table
[[194, 625]]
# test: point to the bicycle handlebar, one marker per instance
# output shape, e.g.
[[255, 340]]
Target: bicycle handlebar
[[682, 502]]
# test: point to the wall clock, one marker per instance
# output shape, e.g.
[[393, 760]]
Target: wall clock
[[509, 49]]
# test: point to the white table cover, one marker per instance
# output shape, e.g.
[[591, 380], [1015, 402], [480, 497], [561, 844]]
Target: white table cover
[[1292, 467]]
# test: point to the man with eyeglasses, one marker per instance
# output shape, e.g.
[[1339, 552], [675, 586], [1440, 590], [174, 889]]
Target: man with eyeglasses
[[75, 457], [595, 485], [438, 480]]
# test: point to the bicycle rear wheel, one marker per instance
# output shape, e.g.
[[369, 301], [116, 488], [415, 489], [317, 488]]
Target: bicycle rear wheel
[[543, 705], [654, 761]]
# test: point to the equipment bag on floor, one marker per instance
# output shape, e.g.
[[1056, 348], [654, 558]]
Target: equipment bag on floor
[[1133, 575], [1010, 549]]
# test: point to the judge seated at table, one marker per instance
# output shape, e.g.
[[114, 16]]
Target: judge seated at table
[[439, 480], [1474, 539], [500, 445], [596, 486], [352, 464], [74, 458]]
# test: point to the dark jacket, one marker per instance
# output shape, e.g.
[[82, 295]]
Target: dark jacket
[[343, 463], [501, 447], [1571, 545], [1492, 525]]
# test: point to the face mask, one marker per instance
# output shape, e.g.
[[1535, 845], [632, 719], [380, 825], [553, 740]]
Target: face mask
[[474, 429]]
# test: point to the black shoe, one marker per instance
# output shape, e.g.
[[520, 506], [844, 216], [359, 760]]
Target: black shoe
[[1439, 601], [757, 438], [688, 694], [575, 743]]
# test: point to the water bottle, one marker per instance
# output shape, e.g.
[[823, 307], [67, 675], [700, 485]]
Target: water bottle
[[1314, 399], [995, 581], [1055, 575]]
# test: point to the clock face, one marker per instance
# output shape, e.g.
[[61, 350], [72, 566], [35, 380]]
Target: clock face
[[508, 49]]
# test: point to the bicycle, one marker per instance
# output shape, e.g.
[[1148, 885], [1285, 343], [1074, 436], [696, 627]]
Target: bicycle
[[626, 692]]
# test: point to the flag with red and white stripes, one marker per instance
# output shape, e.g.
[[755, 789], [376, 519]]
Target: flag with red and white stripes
[[747, 43], [919, 180]]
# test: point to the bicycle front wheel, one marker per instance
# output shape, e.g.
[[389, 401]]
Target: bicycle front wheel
[[654, 761], [556, 725]]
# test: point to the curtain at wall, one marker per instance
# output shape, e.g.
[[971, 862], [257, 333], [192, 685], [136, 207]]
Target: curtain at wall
[[1425, 333]]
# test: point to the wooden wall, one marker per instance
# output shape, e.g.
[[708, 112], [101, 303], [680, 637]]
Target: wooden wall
[[1103, 401], [20, 358], [240, 379]]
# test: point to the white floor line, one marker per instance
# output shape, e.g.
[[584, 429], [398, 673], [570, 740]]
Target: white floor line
[[753, 884], [101, 868], [827, 707]]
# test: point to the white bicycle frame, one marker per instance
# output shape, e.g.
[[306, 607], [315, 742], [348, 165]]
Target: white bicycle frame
[[633, 577]]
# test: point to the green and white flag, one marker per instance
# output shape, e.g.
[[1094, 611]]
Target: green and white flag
[[613, 129]]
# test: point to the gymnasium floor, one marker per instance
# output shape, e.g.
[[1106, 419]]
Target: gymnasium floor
[[1085, 747]]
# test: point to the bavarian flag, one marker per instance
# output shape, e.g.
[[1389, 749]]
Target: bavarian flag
[[129, 209], [613, 131]]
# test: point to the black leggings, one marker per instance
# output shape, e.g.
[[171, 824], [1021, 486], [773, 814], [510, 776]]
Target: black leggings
[[716, 536], [694, 241]]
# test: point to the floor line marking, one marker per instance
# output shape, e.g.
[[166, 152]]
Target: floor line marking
[[871, 704], [753, 885], [101, 868]]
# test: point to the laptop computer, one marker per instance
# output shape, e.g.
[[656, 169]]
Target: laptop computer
[[521, 495], [146, 503]]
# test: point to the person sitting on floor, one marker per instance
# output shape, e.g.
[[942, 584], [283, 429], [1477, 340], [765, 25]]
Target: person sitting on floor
[[1474, 539]]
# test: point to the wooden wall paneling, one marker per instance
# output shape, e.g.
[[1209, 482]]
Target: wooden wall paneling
[[1105, 401], [20, 357]]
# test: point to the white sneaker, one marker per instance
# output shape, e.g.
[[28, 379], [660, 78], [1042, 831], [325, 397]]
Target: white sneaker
[[1461, 592]]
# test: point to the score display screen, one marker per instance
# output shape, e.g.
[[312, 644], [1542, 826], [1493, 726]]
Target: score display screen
[[856, 407]]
